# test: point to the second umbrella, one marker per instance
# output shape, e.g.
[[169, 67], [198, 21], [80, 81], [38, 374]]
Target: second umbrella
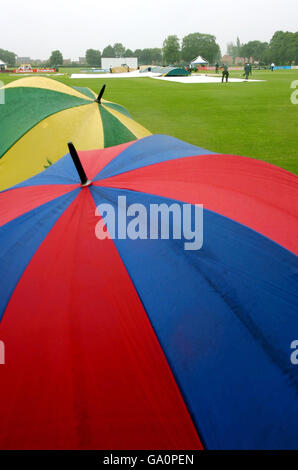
[[40, 115]]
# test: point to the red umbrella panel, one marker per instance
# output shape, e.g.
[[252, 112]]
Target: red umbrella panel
[[137, 343]]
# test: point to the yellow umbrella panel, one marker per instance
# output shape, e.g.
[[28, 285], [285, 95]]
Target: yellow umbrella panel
[[41, 115]]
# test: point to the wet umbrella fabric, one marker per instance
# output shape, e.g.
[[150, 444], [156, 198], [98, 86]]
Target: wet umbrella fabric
[[120, 344], [41, 115]]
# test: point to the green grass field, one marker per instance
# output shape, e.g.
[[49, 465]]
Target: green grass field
[[252, 119]]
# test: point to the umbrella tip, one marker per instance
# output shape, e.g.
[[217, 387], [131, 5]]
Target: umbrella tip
[[77, 162], [98, 99]]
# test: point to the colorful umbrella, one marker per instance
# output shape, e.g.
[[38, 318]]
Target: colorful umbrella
[[125, 343], [41, 114]]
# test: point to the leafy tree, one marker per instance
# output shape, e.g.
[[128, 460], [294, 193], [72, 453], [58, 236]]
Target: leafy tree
[[8, 57], [137, 53], [129, 53], [283, 48], [255, 49], [119, 49], [203, 44], [291, 52], [108, 51], [156, 55], [93, 57], [276, 46], [56, 58], [171, 49], [148, 56], [261, 52]]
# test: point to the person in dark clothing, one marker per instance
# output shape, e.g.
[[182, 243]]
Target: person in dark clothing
[[246, 71], [216, 67], [225, 73]]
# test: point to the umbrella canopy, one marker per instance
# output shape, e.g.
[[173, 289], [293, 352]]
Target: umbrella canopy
[[41, 115], [125, 343]]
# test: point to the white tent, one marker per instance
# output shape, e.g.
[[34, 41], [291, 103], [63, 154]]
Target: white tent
[[2, 65], [199, 61]]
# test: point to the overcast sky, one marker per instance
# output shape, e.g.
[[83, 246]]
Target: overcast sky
[[35, 28]]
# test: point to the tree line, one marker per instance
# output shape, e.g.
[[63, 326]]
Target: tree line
[[8, 57], [145, 56], [171, 52], [282, 50]]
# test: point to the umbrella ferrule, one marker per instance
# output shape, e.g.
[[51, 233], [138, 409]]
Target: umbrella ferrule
[[98, 99], [77, 162]]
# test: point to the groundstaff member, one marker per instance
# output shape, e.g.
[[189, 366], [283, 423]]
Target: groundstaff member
[[225, 73]]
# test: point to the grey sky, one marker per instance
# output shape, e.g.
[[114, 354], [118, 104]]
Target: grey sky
[[35, 28]]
